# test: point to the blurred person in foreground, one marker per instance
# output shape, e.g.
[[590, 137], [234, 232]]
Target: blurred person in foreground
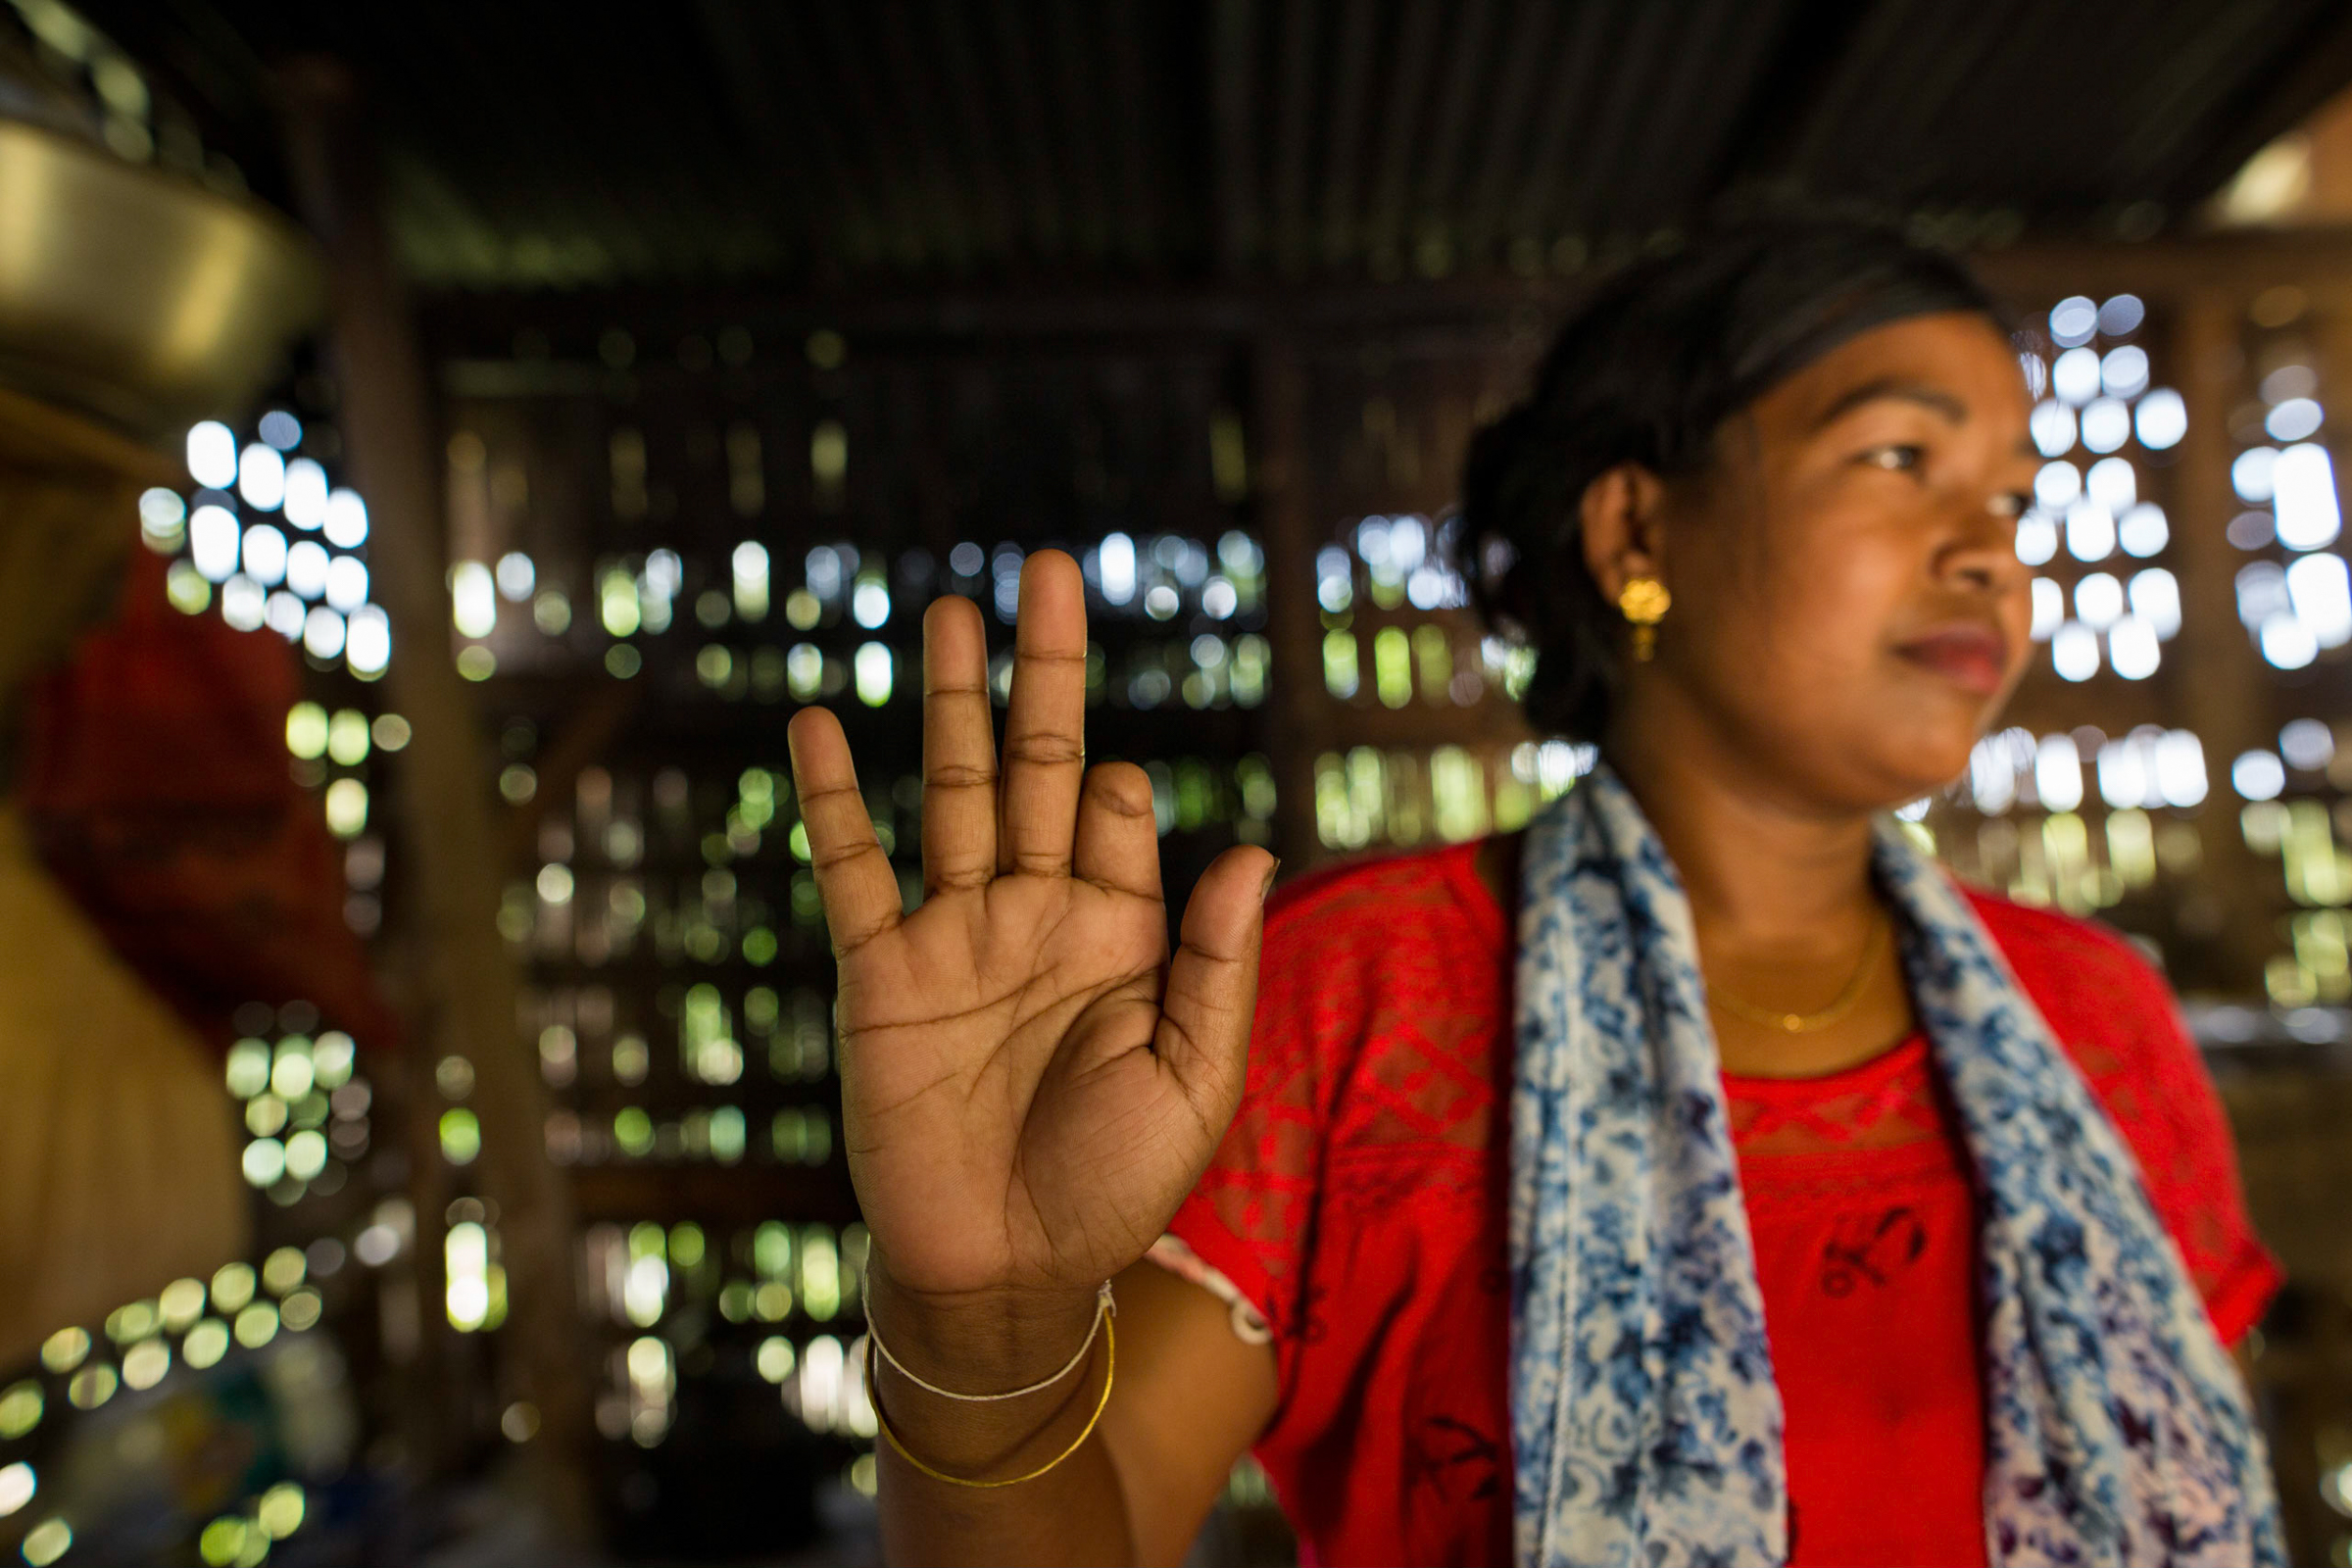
[[1699, 1176]]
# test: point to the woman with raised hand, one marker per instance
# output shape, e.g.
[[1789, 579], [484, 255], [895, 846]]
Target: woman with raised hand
[[1699, 1176]]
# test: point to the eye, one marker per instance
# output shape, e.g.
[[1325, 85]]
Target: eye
[[2012, 504], [1895, 456]]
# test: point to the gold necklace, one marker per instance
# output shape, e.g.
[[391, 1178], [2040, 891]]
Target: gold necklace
[[1806, 1023]]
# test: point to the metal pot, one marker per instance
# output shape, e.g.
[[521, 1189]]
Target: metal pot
[[140, 298]]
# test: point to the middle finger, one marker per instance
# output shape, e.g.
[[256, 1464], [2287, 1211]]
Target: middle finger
[[1044, 727]]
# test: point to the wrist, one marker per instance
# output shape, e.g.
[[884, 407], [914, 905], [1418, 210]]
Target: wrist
[[979, 1342]]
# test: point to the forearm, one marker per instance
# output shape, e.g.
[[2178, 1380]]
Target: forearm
[[1073, 1513]]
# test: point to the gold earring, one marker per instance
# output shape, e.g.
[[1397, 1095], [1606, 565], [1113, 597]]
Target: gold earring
[[1644, 603]]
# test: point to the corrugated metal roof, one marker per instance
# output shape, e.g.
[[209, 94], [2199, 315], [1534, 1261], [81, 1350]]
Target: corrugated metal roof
[[535, 142]]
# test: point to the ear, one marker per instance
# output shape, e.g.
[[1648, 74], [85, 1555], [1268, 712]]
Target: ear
[[1623, 525]]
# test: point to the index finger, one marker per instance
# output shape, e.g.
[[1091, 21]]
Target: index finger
[[852, 874]]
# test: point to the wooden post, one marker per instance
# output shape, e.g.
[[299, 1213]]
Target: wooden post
[[456, 851], [2226, 697], [1287, 521]]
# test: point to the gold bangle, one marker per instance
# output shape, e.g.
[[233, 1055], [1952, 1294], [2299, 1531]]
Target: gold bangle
[[1110, 1367]]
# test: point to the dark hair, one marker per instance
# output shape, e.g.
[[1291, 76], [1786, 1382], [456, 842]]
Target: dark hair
[[1646, 372]]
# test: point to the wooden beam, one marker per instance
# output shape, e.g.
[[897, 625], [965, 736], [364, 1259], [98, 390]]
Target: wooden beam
[[389, 431], [1504, 119], [1233, 148], [2227, 696], [1790, 95], [1287, 521], [1582, 51], [789, 164], [1140, 221], [1412, 58], [2298, 80], [1341, 240], [1053, 222], [942, 191], [740, 1196], [1000, 230], [1458, 103], [1290, 136], [2240, 262], [1419, 725], [1072, 54]]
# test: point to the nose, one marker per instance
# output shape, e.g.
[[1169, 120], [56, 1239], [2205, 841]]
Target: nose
[[1980, 552]]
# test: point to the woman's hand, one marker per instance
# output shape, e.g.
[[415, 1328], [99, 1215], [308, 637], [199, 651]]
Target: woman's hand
[[1030, 1084]]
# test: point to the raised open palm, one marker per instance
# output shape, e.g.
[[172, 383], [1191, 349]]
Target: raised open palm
[[1030, 1082]]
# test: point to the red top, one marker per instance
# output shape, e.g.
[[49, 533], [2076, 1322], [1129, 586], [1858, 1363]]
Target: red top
[[1358, 1202]]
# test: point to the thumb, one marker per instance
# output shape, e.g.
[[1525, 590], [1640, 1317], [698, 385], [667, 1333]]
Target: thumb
[[1203, 1035]]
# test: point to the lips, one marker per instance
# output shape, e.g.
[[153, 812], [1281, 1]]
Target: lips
[[1970, 655]]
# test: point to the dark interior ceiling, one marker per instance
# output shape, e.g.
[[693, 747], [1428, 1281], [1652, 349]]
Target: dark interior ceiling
[[531, 143]]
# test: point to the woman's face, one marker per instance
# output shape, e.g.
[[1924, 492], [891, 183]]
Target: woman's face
[[1850, 612]]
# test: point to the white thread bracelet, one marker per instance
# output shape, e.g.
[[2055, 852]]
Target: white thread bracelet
[[1103, 1307]]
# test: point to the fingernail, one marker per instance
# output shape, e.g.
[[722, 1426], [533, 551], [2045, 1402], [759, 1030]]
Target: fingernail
[[1272, 871]]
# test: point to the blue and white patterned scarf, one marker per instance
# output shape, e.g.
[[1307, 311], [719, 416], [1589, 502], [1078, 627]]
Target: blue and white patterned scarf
[[1646, 1423]]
